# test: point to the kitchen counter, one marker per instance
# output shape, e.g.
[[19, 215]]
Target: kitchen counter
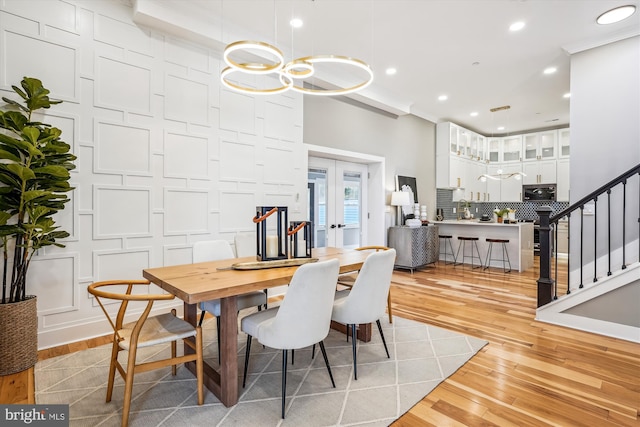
[[520, 236]]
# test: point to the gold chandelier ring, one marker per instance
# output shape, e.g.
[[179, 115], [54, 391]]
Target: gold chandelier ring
[[249, 67], [298, 69], [287, 83], [336, 59]]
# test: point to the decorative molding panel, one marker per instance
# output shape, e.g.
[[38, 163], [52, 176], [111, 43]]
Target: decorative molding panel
[[186, 54], [230, 168], [185, 156], [121, 211], [277, 166], [121, 149], [279, 121], [122, 86], [56, 14], [121, 34], [67, 219], [121, 264], [186, 211], [186, 100], [237, 211], [23, 55], [53, 278], [237, 112], [177, 255]]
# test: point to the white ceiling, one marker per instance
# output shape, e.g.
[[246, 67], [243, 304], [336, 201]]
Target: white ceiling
[[432, 43]]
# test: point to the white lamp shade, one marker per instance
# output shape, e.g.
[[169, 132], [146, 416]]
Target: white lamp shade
[[400, 198]]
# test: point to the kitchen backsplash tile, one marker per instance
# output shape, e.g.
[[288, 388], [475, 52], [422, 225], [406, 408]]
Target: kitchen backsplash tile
[[524, 210]]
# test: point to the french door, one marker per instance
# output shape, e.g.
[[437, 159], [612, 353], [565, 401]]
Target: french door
[[337, 202]]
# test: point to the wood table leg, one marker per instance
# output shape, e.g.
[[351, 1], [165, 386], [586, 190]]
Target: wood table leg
[[224, 383], [229, 351]]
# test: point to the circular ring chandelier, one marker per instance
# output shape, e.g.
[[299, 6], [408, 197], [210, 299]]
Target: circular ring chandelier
[[300, 69]]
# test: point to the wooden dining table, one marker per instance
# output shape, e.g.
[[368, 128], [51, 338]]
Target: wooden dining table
[[195, 283]]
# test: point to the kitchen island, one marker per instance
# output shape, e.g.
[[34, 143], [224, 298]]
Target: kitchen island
[[520, 236]]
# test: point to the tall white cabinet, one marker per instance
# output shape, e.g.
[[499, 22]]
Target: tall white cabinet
[[461, 161]]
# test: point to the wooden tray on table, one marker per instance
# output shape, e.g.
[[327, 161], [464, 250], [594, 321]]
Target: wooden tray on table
[[258, 265]]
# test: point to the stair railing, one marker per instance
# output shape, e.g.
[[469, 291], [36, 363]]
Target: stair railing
[[548, 236]]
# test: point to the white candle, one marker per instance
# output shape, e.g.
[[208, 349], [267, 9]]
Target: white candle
[[272, 246], [302, 247]]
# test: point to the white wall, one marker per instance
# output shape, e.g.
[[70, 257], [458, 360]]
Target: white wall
[[605, 141], [605, 106], [166, 156], [407, 143]]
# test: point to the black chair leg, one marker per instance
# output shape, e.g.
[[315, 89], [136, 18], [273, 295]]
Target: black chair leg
[[293, 357], [201, 317], [353, 349], [326, 362], [313, 351], [284, 379], [246, 360], [383, 340]]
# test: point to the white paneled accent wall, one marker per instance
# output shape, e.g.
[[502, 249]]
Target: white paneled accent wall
[[166, 155]]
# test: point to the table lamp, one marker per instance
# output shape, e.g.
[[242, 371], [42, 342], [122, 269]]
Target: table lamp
[[399, 199]]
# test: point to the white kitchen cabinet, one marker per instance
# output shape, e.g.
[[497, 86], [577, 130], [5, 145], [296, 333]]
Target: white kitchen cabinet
[[494, 147], [540, 145], [564, 138], [512, 148], [539, 172], [511, 188], [473, 145], [562, 180], [507, 189], [457, 157], [475, 188], [457, 172], [482, 148], [493, 185]]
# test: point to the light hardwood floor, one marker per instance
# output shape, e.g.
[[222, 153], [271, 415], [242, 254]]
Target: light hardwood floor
[[530, 373]]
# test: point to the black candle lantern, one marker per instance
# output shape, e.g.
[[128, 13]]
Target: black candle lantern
[[271, 246], [301, 239]]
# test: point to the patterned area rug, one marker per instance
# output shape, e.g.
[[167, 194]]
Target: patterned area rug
[[421, 357]]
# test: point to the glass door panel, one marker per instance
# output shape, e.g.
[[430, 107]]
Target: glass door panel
[[337, 193], [351, 183]]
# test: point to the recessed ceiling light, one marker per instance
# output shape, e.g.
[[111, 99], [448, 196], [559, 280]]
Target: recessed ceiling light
[[516, 26], [443, 98], [296, 22], [474, 114], [566, 95], [391, 71], [616, 15], [550, 70], [500, 127]]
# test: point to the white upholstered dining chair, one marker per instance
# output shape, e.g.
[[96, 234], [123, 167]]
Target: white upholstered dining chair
[[215, 250], [365, 301], [246, 246], [348, 279], [302, 319]]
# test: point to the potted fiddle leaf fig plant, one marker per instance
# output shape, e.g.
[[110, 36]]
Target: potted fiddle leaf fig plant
[[34, 180]]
